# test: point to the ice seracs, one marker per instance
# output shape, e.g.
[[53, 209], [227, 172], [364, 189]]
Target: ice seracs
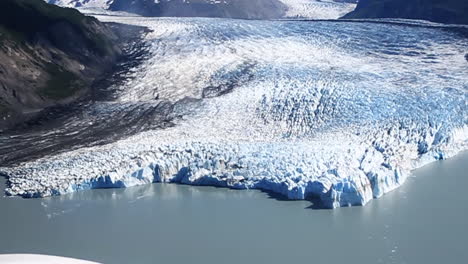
[[336, 113]]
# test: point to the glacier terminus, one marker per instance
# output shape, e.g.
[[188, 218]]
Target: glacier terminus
[[338, 113]]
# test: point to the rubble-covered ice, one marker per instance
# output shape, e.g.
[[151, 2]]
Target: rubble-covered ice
[[338, 113]]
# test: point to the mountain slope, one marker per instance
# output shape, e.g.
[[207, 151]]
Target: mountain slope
[[248, 9], [443, 11], [314, 9], [82, 3], [48, 55]]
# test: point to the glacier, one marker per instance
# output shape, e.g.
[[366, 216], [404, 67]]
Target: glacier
[[310, 9], [338, 113], [101, 4], [317, 9]]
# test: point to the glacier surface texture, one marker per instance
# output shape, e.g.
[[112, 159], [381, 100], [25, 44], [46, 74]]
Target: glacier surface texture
[[337, 113]]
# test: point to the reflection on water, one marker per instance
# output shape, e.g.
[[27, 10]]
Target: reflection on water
[[422, 222]]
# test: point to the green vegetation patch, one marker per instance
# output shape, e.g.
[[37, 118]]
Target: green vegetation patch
[[4, 110], [23, 19], [62, 83], [30, 16], [6, 34]]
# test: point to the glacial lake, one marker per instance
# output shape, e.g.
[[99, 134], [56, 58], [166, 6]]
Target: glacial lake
[[424, 221]]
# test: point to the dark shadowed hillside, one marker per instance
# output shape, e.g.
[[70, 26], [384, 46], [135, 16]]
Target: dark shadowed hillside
[[443, 11], [48, 55], [249, 9]]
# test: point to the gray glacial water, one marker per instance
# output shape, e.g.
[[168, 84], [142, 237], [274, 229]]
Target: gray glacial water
[[424, 221]]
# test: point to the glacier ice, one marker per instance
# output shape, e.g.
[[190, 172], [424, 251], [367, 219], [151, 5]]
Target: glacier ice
[[102, 4], [312, 9], [317, 9], [336, 113]]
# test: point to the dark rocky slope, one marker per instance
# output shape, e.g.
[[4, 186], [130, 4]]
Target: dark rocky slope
[[443, 11], [48, 55], [247, 9]]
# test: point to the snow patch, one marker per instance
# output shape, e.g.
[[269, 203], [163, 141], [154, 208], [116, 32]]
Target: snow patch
[[317, 9]]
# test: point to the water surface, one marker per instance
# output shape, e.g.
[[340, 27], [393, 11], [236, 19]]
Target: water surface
[[424, 221]]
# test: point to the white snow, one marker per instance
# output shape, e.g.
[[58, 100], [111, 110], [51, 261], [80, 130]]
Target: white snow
[[317, 9], [311, 9], [335, 112], [102, 4]]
